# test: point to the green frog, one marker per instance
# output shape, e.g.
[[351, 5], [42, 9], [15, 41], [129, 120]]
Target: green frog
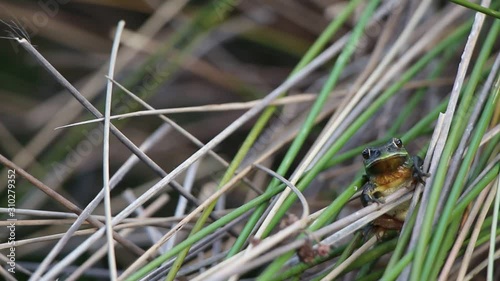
[[389, 168]]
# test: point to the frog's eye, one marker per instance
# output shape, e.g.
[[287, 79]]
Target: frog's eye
[[366, 153], [397, 142]]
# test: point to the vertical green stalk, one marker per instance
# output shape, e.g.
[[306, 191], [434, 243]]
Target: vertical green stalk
[[487, 153], [419, 271], [435, 258], [326, 159], [482, 125], [394, 272], [327, 88], [338, 203], [308, 57], [351, 130], [335, 74]]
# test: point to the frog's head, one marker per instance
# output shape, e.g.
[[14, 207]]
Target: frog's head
[[386, 158]]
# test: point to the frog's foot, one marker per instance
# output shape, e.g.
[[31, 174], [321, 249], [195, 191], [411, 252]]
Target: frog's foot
[[369, 195], [418, 174], [378, 200]]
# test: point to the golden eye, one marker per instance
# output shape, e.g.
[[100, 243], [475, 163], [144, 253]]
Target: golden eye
[[397, 142]]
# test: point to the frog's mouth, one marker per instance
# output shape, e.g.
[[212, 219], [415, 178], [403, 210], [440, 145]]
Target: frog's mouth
[[387, 164]]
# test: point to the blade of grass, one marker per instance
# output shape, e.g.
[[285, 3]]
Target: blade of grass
[[94, 85], [403, 239], [483, 180], [443, 276], [202, 108], [297, 269], [223, 189], [129, 144], [479, 8], [475, 234], [333, 208], [309, 122], [375, 105], [494, 225], [350, 107], [97, 256], [418, 271], [105, 156], [318, 45], [334, 273], [466, 162]]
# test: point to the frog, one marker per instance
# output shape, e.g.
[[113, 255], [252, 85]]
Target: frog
[[389, 168]]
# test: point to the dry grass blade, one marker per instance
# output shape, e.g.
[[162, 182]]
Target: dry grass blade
[[183, 222], [129, 144], [227, 267], [94, 84], [105, 157], [203, 108], [475, 233], [444, 131], [184, 132], [41, 222], [336, 271], [65, 202], [302, 199], [209, 146], [463, 234], [158, 203], [180, 209], [116, 132], [247, 260], [475, 271]]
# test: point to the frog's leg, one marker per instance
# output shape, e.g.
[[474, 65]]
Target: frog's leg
[[388, 222], [381, 226], [418, 174], [369, 194]]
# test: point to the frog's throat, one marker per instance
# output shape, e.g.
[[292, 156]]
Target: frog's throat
[[388, 158]]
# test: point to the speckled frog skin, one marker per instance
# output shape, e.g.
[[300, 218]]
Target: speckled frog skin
[[389, 168]]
